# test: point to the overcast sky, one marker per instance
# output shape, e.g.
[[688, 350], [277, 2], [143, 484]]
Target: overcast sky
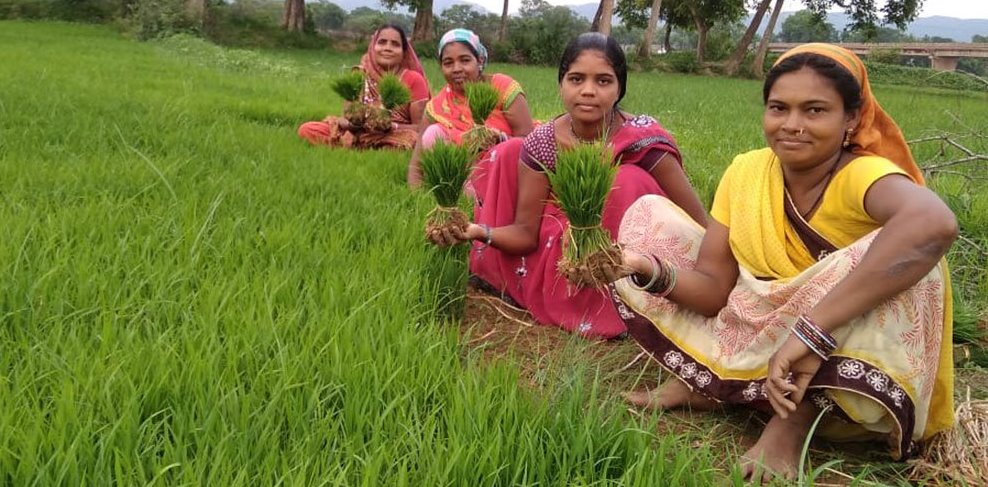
[[965, 9]]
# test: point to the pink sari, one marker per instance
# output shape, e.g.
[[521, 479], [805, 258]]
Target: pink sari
[[532, 280]]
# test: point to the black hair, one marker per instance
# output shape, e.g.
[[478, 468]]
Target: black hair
[[605, 45], [464, 44], [401, 33], [842, 79]]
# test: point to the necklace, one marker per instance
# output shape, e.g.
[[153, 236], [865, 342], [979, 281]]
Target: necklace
[[819, 198], [576, 136]]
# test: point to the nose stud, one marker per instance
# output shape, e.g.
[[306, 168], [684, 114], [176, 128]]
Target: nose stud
[[799, 132]]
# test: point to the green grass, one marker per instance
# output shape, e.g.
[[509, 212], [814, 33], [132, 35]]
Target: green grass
[[191, 295]]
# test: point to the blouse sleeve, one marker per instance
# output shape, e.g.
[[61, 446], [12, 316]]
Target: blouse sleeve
[[651, 159], [856, 179], [538, 151], [721, 208], [509, 88], [417, 85]]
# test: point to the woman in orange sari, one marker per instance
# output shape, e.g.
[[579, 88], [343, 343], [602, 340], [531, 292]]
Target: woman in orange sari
[[447, 116], [819, 283], [388, 52]]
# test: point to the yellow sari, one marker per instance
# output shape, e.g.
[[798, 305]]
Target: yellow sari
[[892, 373]]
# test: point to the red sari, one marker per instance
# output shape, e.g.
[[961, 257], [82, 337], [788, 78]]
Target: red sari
[[328, 131], [532, 280]]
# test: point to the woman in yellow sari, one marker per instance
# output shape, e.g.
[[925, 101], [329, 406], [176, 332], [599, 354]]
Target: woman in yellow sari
[[819, 283]]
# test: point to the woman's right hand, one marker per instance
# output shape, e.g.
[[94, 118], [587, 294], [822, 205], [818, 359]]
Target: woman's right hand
[[343, 124], [447, 237]]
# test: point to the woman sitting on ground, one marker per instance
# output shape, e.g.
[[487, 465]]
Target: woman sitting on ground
[[462, 58], [518, 230], [388, 52], [818, 286]]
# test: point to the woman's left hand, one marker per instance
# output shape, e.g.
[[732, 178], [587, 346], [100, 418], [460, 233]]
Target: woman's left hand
[[795, 358]]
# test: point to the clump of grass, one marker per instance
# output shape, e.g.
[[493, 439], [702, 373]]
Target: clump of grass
[[393, 94], [482, 99], [445, 168], [349, 86], [581, 181]]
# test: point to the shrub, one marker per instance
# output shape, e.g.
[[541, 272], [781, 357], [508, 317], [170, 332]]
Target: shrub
[[880, 73], [885, 56], [152, 19], [73, 10], [426, 49], [681, 61]]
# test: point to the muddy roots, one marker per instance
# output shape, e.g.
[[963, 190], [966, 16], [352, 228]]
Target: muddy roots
[[597, 270], [446, 219]]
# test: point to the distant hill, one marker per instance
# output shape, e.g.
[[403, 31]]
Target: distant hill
[[960, 30], [437, 5]]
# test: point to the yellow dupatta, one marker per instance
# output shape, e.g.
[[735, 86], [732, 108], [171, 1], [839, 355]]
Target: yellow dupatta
[[760, 216]]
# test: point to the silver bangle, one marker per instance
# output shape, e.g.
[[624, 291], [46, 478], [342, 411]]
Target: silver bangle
[[488, 236], [655, 276]]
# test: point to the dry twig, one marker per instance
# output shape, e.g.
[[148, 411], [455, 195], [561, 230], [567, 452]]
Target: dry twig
[[959, 455], [950, 140]]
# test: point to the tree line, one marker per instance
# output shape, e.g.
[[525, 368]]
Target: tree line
[[715, 31]]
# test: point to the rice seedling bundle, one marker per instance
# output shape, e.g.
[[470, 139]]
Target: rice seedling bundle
[[393, 94], [482, 99], [349, 87], [445, 168], [581, 181]]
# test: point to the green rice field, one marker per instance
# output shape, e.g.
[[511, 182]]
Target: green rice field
[[191, 295]]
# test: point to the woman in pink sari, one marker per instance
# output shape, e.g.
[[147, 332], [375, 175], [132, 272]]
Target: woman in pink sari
[[388, 52], [516, 236], [462, 58]]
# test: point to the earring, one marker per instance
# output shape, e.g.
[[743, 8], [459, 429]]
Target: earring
[[847, 137]]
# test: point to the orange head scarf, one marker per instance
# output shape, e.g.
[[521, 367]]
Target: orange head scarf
[[876, 133]]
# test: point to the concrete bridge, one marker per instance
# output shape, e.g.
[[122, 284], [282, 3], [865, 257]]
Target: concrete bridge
[[943, 57]]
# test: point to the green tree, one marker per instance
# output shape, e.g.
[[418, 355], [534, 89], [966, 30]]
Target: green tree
[[465, 15], [878, 34], [423, 29], [502, 29], [293, 16], [326, 15], [734, 63], [807, 26], [641, 14], [701, 16], [979, 39], [540, 32], [758, 65], [864, 13]]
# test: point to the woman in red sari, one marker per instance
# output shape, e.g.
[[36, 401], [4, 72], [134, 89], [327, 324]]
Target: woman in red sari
[[517, 233], [447, 116], [388, 52]]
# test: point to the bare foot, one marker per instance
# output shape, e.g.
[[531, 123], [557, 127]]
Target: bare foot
[[672, 394], [776, 454]]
